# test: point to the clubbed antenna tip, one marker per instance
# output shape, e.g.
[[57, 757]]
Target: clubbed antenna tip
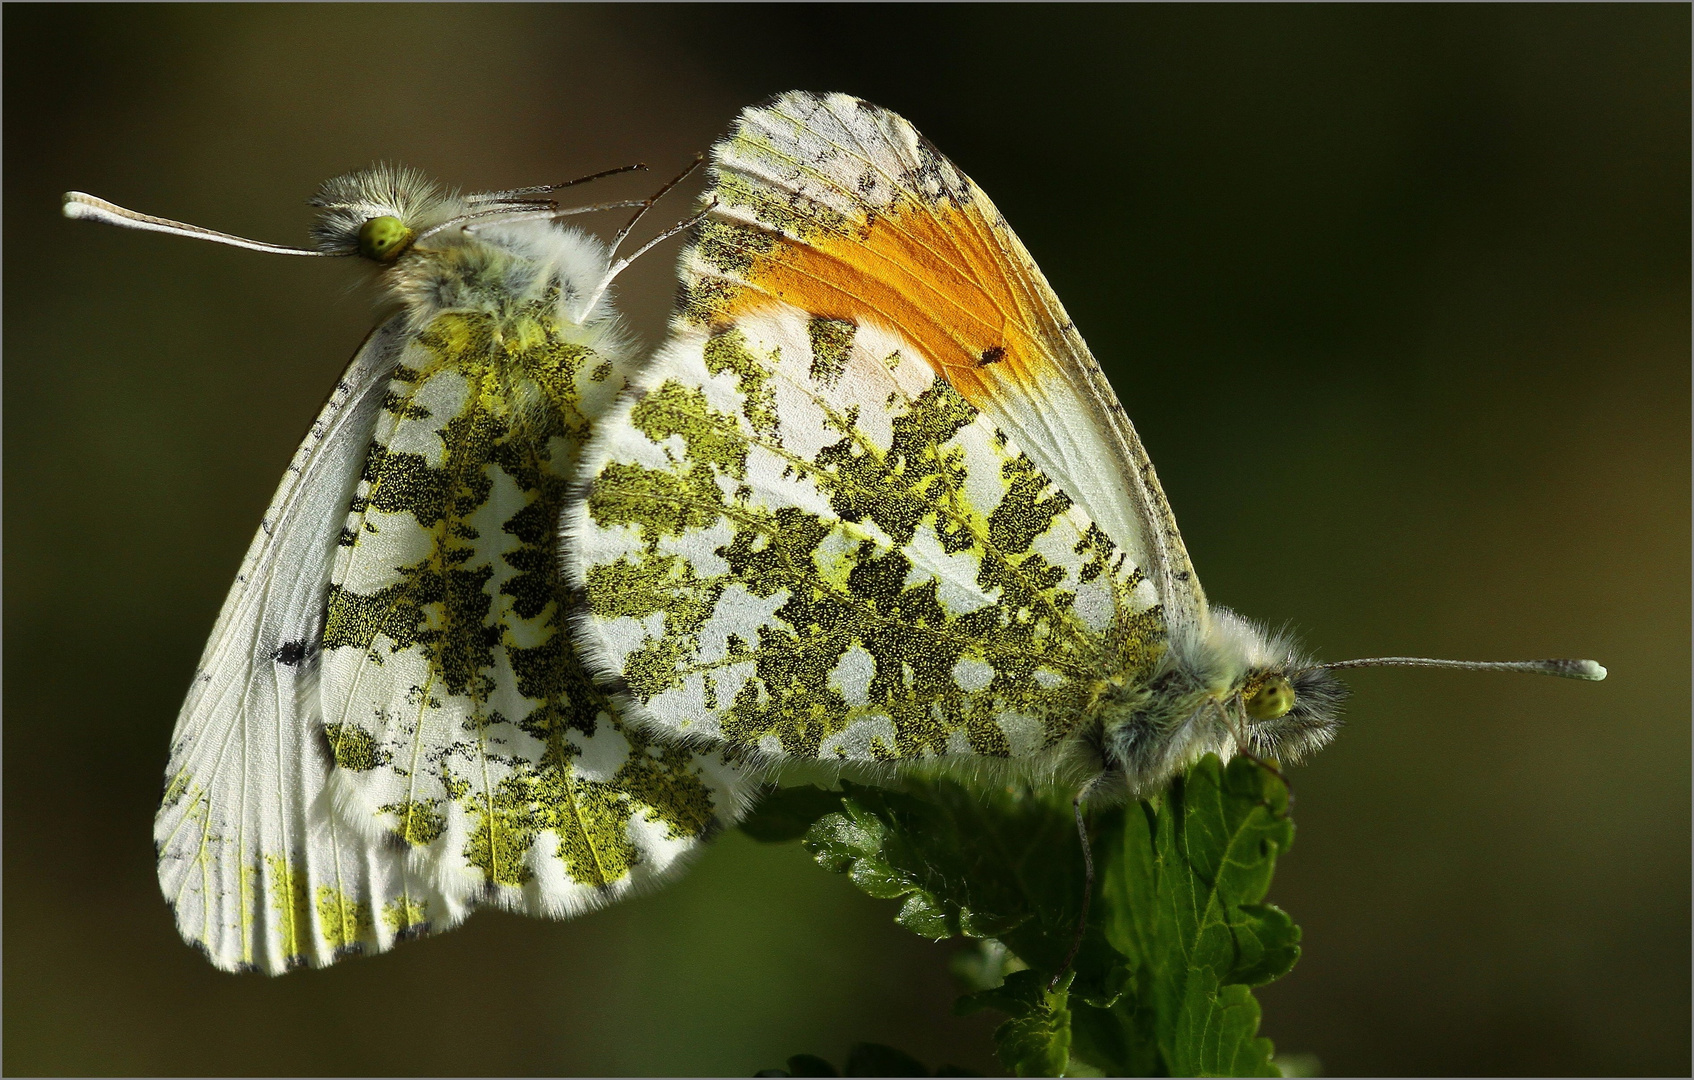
[[79, 204]]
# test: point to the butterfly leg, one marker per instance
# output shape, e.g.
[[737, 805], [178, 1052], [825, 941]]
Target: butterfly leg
[[646, 205], [623, 264], [1087, 888], [1239, 729]]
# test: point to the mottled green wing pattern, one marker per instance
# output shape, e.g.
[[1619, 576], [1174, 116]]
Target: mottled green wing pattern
[[389, 726], [799, 541], [459, 719]]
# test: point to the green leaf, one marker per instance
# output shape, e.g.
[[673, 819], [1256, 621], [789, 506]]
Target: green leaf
[[1036, 1041], [1178, 933], [784, 814], [1118, 1039], [963, 861], [1181, 891], [1021, 992], [1265, 942]]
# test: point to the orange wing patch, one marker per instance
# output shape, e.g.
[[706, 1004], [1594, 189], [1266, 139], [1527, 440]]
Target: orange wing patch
[[939, 275]]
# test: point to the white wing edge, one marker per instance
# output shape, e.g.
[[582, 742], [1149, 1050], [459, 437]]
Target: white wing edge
[[575, 529], [259, 872]]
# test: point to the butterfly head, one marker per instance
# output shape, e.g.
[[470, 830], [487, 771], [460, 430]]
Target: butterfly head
[[379, 213], [1287, 711], [1233, 687], [500, 252], [1258, 692]]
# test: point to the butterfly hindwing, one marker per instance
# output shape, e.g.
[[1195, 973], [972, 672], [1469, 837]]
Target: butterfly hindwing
[[461, 722], [389, 726], [799, 541]]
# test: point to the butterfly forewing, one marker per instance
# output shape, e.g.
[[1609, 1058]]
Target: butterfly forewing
[[802, 542], [244, 792], [842, 209]]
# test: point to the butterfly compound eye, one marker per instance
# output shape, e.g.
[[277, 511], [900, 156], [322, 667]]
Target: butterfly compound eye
[[1272, 699], [384, 239]]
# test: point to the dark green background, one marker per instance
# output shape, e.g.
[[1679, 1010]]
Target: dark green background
[[1398, 298]]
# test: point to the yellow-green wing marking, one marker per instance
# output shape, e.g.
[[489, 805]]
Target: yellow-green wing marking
[[798, 541], [461, 723]]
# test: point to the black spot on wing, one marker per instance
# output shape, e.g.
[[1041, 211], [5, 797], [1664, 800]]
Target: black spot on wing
[[291, 653]]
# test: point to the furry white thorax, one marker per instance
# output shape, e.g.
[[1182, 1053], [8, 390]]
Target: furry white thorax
[[1226, 648], [1151, 732], [466, 256]]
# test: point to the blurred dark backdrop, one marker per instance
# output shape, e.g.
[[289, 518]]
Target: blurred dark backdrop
[[1397, 296]]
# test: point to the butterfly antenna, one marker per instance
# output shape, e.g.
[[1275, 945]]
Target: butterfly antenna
[[81, 205], [518, 194], [521, 211], [1087, 889], [1564, 669]]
